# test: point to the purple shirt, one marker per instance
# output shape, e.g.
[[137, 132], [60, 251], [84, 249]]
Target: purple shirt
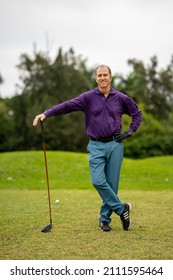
[[103, 115]]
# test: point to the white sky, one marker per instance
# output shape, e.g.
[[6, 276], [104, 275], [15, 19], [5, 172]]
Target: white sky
[[105, 32]]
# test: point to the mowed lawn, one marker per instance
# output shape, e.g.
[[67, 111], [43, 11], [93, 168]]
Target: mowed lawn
[[146, 183]]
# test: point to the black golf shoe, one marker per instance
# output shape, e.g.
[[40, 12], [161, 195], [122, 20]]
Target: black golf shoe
[[125, 216], [104, 226]]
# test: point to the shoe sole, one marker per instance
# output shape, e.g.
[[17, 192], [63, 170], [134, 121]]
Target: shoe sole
[[130, 207], [105, 230]]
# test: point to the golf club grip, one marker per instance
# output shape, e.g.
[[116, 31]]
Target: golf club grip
[[42, 131]]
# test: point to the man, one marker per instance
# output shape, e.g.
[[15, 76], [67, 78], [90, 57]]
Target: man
[[103, 108]]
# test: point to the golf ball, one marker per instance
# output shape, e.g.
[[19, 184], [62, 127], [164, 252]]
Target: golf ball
[[57, 201]]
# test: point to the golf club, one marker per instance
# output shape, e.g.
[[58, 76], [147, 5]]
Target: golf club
[[49, 226]]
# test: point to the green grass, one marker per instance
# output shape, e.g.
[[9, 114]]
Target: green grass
[[67, 170], [146, 183]]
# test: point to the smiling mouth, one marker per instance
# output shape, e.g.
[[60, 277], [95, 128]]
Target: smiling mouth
[[103, 82]]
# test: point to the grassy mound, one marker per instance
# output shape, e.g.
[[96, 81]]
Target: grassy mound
[[67, 170]]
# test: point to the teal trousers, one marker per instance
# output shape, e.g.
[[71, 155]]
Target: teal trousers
[[105, 161]]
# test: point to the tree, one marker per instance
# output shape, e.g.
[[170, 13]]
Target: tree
[[5, 126], [150, 86], [46, 83], [1, 79]]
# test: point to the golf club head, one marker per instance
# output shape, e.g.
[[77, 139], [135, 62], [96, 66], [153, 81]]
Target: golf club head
[[47, 228]]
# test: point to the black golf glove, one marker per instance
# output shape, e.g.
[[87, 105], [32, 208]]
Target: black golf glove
[[119, 137]]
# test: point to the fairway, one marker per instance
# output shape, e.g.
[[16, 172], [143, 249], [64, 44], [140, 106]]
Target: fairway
[[75, 233]]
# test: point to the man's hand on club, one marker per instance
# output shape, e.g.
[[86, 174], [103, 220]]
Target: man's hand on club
[[40, 117], [121, 136]]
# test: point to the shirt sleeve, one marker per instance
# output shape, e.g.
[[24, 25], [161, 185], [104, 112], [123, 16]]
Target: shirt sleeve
[[131, 109], [76, 104]]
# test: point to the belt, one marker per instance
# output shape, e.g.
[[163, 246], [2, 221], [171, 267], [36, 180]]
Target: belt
[[105, 139]]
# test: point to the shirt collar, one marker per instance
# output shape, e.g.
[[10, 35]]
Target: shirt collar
[[97, 91]]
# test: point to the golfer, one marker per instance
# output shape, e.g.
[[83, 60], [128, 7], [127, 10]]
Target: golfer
[[103, 108]]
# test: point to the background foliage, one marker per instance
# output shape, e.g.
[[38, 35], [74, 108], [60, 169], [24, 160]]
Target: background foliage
[[46, 82]]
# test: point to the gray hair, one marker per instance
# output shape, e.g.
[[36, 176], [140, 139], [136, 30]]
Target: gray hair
[[103, 66]]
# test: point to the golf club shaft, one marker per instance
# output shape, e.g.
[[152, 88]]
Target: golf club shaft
[[46, 168]]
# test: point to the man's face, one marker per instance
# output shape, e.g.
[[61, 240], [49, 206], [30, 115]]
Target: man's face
[[103, 77]]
